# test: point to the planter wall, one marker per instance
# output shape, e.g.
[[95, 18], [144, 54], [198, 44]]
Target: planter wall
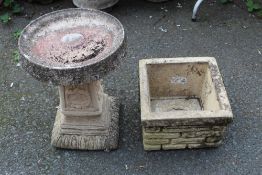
[[183, 103]]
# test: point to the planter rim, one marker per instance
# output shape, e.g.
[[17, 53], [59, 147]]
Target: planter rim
[[151, 118]]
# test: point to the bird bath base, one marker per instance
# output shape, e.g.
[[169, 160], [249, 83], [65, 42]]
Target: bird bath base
[[87, 118]]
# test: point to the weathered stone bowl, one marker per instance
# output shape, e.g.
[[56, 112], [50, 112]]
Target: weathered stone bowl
[[72, 46]]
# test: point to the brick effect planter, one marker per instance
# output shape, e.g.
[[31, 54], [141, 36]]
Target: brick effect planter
[[183, 103]]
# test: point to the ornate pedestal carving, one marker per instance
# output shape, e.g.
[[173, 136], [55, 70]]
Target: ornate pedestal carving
[[87, 118]]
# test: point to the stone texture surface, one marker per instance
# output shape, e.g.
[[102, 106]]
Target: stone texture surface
[[74, 48], [226, 32], [87, 118], [182, 122], [72, 74], [182, 137], [90, 137], [98, 4], [82, 100]]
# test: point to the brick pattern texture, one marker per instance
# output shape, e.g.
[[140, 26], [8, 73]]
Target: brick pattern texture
[[167, 138]]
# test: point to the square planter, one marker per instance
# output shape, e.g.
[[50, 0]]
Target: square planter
[[184, 103]]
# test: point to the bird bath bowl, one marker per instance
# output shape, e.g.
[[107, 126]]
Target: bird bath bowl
[[74, 49]]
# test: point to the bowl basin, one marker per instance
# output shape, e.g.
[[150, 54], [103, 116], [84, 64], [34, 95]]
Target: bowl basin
[[72, 46]]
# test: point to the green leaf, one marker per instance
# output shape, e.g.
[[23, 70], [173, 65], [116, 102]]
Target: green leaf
[[251, 6], [256, 6], [5, 18], [250, 9], [16, 8], [249, 3], [17, 34], [8, 3], [16, 56], [259, 13]]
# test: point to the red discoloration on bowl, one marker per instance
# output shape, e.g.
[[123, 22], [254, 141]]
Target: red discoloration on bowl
[[86, 44]]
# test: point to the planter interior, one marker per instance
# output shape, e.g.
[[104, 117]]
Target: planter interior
[[183, 103], [183, 86]]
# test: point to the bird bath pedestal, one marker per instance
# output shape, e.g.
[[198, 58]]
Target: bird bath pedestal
[[74, 49]]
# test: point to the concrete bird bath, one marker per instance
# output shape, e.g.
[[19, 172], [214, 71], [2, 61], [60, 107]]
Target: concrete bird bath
[[74, 49]]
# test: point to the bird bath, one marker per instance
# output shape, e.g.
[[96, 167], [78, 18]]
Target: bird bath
[[74, 49]]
